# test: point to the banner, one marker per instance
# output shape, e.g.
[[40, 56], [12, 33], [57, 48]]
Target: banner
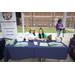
[[8, 24]]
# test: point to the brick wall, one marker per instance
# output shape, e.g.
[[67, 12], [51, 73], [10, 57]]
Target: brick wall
[[42, 13], [69, 13], [48, 19], [58, 13], [27, 13]]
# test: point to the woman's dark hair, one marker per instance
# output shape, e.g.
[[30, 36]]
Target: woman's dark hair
[[30, 32], [42, 33], [59, 20], [74, 35]]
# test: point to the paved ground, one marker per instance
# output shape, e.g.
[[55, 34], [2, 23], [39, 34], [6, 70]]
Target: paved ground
[[70, 29], [65, 40], [38, 60]]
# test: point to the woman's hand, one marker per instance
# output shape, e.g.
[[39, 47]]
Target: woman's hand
[[42, 39], [62, 28], [46, 39]]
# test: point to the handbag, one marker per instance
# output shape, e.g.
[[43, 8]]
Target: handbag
[[64, 31], [49, 38]]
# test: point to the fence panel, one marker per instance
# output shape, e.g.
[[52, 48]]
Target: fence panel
[[44, 23]]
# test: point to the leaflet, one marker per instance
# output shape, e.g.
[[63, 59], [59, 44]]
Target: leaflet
[[43, 44], [52, 44], [21, 44]]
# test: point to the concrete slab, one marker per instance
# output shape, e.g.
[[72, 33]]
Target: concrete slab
[[69, 59], [70, 29]]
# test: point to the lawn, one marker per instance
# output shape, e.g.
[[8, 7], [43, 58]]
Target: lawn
[[46, 30]]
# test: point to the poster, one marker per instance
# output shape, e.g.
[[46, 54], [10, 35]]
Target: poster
[[8, 24]]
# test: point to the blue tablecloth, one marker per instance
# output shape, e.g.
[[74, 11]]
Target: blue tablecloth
[[2, 45], [35, 51]]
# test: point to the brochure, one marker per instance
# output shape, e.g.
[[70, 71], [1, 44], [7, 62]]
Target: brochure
[[35, 43], [11, 42], [52, 44], [43, 44], [21, 44]]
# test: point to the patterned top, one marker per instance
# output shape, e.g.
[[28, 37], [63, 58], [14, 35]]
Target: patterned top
[[31, 36], [59, 25], [45, 36]]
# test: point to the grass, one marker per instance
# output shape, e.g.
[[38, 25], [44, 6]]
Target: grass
[[46, 30]]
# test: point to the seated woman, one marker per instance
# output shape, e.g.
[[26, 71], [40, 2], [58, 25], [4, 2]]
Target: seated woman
[[41, 36], [31, 34]]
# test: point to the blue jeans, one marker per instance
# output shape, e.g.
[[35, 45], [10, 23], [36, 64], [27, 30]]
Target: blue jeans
[[58, 33]]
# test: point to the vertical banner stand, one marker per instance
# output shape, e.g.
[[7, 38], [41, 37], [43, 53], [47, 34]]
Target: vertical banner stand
[[8, 24]]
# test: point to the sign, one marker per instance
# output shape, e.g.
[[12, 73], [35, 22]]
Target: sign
[[8, 24]]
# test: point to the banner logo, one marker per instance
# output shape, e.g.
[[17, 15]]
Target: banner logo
[[7, 15]]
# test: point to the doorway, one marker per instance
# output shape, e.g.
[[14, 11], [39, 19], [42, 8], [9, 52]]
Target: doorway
[[18, 18]]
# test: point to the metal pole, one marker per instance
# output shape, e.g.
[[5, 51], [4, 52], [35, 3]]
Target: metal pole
[[32, 18], [64, 18], [23, 22]]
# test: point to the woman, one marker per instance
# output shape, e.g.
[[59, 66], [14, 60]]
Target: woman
[[31, 34], [59, 26], [41, 36]]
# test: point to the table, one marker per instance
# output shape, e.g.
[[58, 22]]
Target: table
[[35, 51], [2, 46]]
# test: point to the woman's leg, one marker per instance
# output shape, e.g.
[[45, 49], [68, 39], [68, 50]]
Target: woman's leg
[[58, 33], [42, 59]]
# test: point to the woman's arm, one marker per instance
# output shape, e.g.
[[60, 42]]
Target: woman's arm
[[39, 39], [30, 39], [45, 35], [62, 26], [57, 26], [24, 38]]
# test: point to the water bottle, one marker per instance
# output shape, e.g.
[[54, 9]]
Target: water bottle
[[27, 37]]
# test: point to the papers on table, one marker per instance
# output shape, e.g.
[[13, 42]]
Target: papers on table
[[11, 42], [35, 43], [52, 44], [21, 44], [20, 38], [43, 44]]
